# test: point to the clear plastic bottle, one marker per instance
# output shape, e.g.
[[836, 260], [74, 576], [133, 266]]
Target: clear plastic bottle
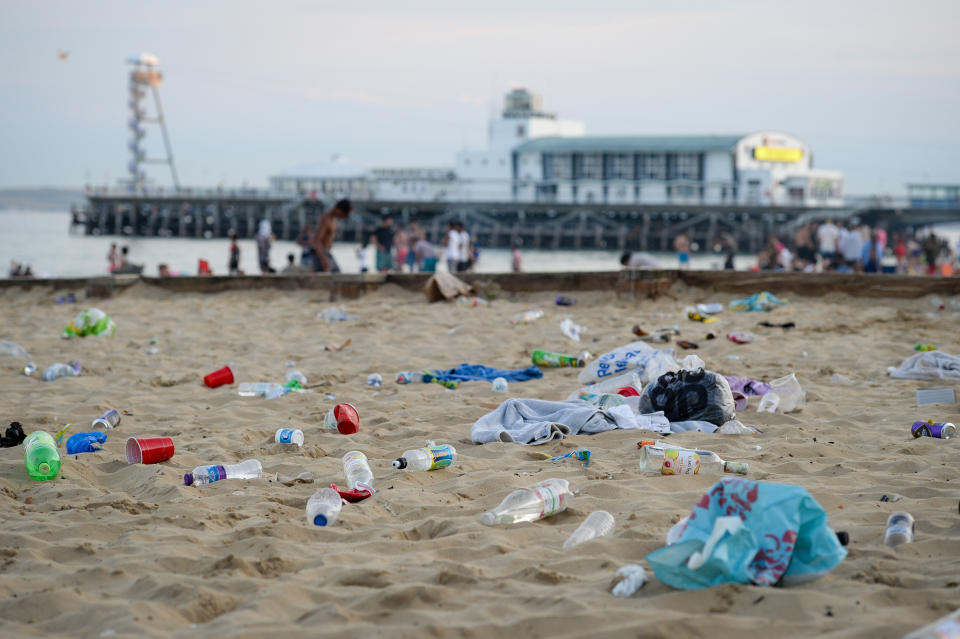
[[293, 374], [408, 377], [900, 529], [599, 523], [527, 317], [323, 507], [947, 627], [40, 455], [201, 475], [430, 457], [55, 371], [682, 461], [500, 385], [471, 302], [270, 390], [12, 349], [357, 471], [289, 436], [530, 504]]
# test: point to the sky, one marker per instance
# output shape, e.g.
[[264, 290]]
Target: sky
[[253, 88]]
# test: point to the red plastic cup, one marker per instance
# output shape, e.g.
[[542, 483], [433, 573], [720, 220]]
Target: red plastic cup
[[348, 420], [628, 391], [219, 378], [151, 450]]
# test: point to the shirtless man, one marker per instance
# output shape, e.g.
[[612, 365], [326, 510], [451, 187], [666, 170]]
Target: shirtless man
[[682, 246], [322, 240]]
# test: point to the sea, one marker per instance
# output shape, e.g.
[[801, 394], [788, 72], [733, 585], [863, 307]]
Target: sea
[[45, 241]]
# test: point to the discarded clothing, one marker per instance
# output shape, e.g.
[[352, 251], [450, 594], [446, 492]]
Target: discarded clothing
[[744, 531], [537, 421], [690, 395], [90, 321], [747, 386], [13, 437], [480, 373], [85, 442], [928, 365], [757, 302]]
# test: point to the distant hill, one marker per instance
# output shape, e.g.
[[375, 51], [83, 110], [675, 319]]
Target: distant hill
[[40, 199]]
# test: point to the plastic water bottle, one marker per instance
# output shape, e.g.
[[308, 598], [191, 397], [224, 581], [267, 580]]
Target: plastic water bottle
[[55, 371], [682, 461], [270, 390], [289, 436], [41, 456], [409, 377], [530, 504], [375, 380], [430, 457], [323, 507], [500, 385], [598, 524], [293, 374], [471, 302], [527, 317], [900, 529], [12, 349], [201, 475], [357, 471]]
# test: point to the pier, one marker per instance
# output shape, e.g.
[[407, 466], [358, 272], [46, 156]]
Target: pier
[[213, 214]]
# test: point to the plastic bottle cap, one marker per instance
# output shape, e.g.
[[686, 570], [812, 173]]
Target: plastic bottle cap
[[188, 479], [320, 520], [400, 463]]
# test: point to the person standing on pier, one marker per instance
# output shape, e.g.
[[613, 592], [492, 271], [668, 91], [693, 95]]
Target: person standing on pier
[[322, 240]]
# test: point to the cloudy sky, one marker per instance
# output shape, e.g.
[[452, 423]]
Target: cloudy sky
[[252, 88]]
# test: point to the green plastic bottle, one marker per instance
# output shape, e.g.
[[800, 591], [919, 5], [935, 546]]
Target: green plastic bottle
[[41, 456]]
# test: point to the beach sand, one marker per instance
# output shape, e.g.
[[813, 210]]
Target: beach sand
[[110, 549]]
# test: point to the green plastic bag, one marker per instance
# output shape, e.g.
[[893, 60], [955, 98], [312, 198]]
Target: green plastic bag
[[90, 321]]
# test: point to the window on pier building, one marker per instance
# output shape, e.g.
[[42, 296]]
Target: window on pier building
[[557, 166], [590, 166], [688, 166], [619, 166], [653, 166]]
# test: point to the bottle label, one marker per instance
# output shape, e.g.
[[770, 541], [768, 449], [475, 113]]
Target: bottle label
[[680, 462], [553, 500], [442, 456], [286, 435], [738, 468], [216, 473]]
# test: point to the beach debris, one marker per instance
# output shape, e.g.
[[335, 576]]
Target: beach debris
[[306, 477], [629, 580], [202, 475], [579, 455], [565, 301], [472, 302], [930, 428], [354, 495], [785, 325], [218, 377], [85, 442], [294, 375], [690, 395], [110, 419], [791, 395], [334, 314], [374, 379], [58, 370], [526, 317], [599, 523], [430, 457], [541, 500], [331, 346], [928, 365], [947, 627], [900, 529], [700, 317], [764, 301], [29, 369], [90, 321], [936, 396], [269, 390], [390, 510], [12, 349], [344, 418], [571, 330], [647, 362], [555, 360], [323, 507], [14, 435], [738, 337], [499, 385], [710, 309], [149, 450], [445, 286], [685, 345], [61, 433], [357, 471], [837, 378], [289, 436], [733, 524], [41, 457]]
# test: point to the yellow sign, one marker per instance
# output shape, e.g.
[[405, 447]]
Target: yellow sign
[[777, 154]]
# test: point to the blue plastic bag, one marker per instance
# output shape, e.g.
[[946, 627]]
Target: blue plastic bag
[[85, 443], [744, 531]]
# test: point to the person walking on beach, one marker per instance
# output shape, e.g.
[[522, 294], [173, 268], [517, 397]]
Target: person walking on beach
[[451, 245], [681, 244], [466, 258], [233, 267], [322, 240], [264, 241], [308, 256], [113, 258], [383, 241]]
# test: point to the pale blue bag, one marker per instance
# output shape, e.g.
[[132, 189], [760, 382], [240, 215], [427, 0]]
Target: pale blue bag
[[744, 531]]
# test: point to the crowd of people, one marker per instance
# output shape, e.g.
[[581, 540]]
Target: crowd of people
[[848, 247]]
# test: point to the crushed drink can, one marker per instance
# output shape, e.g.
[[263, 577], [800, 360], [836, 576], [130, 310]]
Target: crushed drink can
[[930, 428]]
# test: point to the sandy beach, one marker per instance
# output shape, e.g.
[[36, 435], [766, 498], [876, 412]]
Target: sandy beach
[[116, 550]]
